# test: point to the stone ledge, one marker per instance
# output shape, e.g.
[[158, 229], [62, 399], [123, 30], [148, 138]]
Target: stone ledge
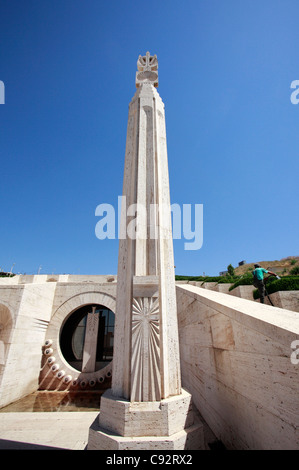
[[191, 438]]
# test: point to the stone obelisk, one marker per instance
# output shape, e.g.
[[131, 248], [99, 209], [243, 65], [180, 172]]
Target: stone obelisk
[[146, 403], [146, 362]]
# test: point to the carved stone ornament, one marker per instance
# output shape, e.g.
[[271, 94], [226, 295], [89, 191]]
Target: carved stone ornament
[[147, 70], [145, 366]]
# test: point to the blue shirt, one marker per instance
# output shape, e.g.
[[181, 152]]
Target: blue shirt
[[259, 273]]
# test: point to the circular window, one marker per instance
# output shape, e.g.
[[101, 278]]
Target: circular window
[[86, 338]]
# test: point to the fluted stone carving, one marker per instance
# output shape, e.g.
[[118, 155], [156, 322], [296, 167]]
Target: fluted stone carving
[[145, 373]]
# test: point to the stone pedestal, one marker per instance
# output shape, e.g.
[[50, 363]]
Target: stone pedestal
[[169, 424]]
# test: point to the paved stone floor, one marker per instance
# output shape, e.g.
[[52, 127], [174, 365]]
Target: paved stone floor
[[45, 430], [55, 421]]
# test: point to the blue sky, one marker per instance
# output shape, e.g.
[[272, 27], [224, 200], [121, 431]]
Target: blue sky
[[225, 70]]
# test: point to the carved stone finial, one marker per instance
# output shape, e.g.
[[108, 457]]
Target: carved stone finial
[[147, 70]]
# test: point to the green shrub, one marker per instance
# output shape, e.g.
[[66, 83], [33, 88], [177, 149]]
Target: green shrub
[[245, 280], [219, 279], [228, 279], [212, 279], [283, 284], [189, 278], [295, 271]]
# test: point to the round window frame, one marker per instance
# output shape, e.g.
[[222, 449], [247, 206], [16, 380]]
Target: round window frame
[[68, 349], [52, 340]]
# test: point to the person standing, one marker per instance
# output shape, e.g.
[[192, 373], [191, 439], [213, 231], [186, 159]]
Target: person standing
[[258, 280]]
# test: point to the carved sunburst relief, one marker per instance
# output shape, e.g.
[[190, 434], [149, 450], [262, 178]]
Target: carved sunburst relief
[[145, 365]]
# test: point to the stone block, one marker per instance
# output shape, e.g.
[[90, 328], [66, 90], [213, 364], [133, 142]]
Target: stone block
[[191, 438], [169, 424], [245, 292], [156, 418]]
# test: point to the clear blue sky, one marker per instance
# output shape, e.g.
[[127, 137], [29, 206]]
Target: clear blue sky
[[225, 69]]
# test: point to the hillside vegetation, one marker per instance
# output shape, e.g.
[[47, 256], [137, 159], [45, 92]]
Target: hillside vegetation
[[286, 268], [282, 267]]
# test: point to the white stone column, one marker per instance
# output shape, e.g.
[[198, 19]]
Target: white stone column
[[146, 407], [90, 341], [150, 253]]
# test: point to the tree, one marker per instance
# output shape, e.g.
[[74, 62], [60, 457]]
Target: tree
[[230, 270]]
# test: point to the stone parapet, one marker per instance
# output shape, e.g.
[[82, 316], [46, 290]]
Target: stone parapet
[[239, 359]]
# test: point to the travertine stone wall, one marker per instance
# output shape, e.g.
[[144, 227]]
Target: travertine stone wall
[[245, 292], [236, 363], [29, 308], [284, 299], [32, 310], [288, 299]]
